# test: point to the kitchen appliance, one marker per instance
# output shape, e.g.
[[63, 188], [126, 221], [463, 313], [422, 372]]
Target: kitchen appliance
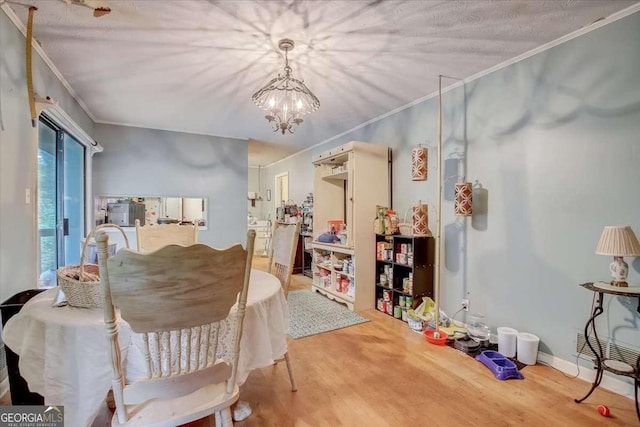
[[307, 215], [125, 213], [307, 222]]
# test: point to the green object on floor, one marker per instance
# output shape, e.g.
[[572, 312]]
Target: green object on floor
[[311, 314]]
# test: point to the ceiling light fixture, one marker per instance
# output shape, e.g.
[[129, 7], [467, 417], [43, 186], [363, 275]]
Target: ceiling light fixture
[[285, 98]]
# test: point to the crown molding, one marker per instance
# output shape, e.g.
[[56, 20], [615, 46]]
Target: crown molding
[[130, 125], [38, 48], [567, 37]]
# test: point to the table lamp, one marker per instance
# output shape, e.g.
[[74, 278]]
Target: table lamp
[[618, 241]]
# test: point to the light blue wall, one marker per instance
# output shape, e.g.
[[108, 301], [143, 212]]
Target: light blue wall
[[146, 162], [555, 142], [257, 184], [18, 151], [300, 178]]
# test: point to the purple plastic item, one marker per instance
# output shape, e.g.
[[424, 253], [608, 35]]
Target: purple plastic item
[[501, 367]]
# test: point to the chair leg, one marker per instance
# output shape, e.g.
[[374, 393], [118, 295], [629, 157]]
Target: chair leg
[[225, 415], [293, 383]]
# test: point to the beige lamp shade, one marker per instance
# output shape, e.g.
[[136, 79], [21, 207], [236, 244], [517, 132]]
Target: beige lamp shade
[[618, 240]]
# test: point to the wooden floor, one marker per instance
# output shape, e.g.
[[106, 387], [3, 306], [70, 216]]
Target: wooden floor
[[381, 373]]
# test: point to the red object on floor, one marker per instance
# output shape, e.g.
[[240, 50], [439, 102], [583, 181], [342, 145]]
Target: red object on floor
[[430, 335], [604, 411]]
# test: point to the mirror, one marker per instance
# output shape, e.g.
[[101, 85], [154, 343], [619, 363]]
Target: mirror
[[150, 210]]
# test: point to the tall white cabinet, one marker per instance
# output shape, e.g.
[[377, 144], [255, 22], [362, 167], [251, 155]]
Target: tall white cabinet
[[349, 182]]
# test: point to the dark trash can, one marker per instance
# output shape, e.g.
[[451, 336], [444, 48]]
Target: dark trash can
[[20, 394]]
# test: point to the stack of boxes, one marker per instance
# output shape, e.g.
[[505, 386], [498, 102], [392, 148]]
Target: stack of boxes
[[404, 254], [323, 275], [384, 251]]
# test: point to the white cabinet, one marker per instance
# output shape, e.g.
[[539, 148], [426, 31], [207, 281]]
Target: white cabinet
[[115, 236], [333, 272], [349, 182], [263, 236]]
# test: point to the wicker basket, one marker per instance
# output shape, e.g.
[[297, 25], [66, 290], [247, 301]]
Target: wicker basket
[[406, 228], [81, 283]]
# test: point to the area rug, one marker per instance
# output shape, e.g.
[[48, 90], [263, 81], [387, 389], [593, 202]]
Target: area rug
[[311, 314]]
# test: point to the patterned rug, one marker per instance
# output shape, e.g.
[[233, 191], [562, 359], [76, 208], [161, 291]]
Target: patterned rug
[[312, 313]]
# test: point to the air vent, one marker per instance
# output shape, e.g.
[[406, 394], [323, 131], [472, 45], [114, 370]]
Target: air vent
[[623, 354], [583, 350], [611, 350]]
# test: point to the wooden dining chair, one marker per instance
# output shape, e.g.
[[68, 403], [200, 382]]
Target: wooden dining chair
[[282, 254], [284, 242], [176, 298], [153, 237]]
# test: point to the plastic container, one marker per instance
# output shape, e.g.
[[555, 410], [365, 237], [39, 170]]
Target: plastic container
[[20, 394], [415, 325], [501, 367], [507, 338], [528, 348], [477, 329]]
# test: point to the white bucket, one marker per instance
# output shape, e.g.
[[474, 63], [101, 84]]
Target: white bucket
[[507, 338], [528, 348]]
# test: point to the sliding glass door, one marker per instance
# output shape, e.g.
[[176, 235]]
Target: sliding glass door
[[61, 201]]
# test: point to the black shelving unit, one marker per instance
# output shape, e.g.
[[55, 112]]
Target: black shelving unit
[[421, 267]]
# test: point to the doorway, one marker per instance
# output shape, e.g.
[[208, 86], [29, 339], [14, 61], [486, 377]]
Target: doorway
[[282, 189], [61, 203]]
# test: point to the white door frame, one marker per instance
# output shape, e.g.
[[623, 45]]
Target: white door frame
[[278, 196]]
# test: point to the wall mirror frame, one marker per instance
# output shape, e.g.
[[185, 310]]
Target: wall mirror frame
[[123, 210]]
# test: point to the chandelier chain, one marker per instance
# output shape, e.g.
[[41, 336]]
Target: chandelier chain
[[287, 68]]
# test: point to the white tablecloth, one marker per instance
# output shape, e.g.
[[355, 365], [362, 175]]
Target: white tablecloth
[[64, 354]]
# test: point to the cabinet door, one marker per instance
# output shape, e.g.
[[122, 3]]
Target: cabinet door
[[349, 199]]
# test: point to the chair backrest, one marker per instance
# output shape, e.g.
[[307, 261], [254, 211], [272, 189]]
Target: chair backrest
[[284, 243], [153, 237], [176, 298]]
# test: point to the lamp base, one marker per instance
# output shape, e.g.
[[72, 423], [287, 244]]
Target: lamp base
[[619, 270], [619, 284]]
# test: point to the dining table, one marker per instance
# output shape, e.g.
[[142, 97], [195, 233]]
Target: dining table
[[64, 354]]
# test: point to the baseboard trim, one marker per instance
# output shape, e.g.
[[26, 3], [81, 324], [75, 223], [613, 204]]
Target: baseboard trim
[[614, 384]]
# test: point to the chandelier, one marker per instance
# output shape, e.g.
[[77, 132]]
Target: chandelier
[[285, 98]]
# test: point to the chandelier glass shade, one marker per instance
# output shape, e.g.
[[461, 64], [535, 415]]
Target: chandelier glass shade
[[285, 98]]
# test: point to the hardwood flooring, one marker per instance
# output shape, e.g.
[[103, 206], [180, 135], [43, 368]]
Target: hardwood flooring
[[381, 373]]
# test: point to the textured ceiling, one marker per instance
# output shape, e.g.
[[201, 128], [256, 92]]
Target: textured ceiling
[[193, 65]]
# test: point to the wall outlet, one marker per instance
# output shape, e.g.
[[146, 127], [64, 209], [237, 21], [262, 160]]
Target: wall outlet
[[465, 304]]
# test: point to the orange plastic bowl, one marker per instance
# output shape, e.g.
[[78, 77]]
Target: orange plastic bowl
[[429, 335]]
